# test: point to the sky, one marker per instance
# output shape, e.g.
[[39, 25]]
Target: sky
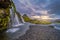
[[39, 9]]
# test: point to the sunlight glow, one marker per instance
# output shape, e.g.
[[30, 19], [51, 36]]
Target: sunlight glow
[[36, 17], [44, 17], [41, 17]]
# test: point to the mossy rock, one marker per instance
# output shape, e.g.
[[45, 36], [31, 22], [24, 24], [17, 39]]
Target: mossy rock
[[4, 18]]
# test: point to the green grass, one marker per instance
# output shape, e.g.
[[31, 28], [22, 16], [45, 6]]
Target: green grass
[[27, 19], [40, 22]]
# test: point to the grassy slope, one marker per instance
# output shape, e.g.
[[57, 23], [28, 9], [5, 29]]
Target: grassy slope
[[27, 19]]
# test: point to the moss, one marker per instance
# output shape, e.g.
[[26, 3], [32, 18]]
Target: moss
[[26, 18], [4, 18], [5, 13], [13, 5]]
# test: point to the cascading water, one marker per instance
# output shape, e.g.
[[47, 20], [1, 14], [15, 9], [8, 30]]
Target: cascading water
[[15, 19], [22, 19], [16, 27]]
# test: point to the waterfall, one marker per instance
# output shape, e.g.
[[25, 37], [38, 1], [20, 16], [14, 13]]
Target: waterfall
[[22, 19], [11, 16], [15, 19], [16, 28]]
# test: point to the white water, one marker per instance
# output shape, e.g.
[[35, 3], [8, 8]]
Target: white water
[[16, 18], [22, 19], [56, 25], [58, 28], [16, 28], [13, 30]]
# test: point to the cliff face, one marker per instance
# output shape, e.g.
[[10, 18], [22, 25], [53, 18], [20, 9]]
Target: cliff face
[[4, 18], [7, 8], [4, 14], [4, 3]]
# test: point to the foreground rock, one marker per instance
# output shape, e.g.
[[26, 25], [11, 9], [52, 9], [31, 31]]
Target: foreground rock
[[40, 33]]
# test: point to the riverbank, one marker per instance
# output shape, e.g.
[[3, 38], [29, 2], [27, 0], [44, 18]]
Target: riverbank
[[40, 33]]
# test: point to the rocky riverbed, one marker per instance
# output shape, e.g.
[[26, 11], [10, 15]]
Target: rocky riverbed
[[40, 33], [36, 32]]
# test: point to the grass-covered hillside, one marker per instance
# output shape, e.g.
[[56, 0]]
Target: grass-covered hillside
[[27, 19]]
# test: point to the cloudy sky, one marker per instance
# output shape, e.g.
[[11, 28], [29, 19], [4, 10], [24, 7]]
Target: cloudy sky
[[42, 9]]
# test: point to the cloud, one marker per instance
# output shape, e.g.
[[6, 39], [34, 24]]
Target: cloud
[[38, 7], [54, 6]]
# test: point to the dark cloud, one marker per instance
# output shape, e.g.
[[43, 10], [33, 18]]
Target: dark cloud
[[54, 7], [33, 7], [38, 2]]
